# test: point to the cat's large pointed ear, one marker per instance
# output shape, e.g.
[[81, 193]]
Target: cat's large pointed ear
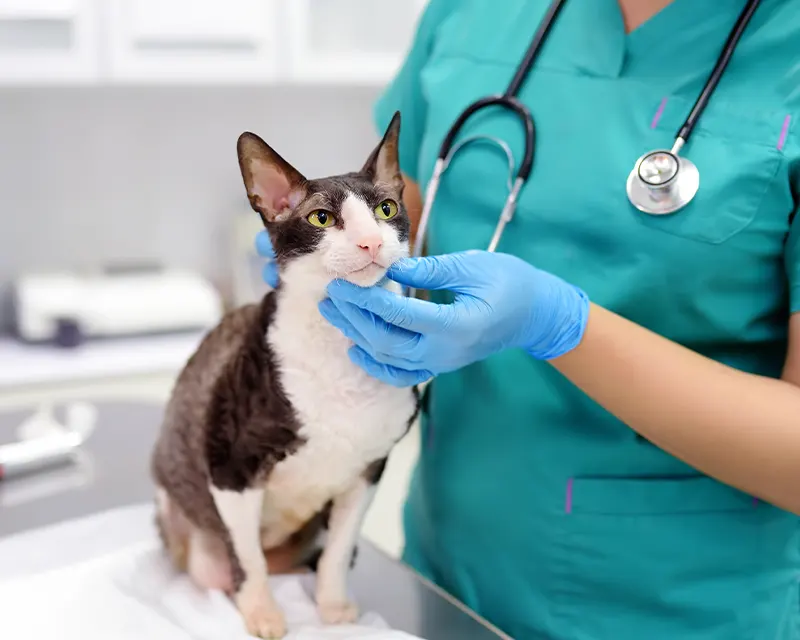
[[383, 164], [274, 187]]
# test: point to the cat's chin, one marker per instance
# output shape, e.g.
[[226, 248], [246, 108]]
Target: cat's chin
[[369, 276]]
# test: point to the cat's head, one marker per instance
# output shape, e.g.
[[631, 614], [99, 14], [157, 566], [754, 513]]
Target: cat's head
[[351, 226]]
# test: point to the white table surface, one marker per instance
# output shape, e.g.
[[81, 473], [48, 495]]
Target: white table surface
[[23, 364]]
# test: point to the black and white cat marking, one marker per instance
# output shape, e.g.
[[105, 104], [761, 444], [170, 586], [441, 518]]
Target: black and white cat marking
[[271, 432]]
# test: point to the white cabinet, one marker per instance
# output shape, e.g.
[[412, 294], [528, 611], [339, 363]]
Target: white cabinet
[[349, 40], [48, 41], [191, 40], [204, 41]]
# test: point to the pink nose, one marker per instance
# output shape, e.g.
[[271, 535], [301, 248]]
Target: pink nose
[[372, 244]]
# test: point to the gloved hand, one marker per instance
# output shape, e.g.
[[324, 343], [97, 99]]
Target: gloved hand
[[501, 302], [264, 248]]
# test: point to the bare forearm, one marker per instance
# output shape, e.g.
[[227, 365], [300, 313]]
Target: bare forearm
[[740, 428]]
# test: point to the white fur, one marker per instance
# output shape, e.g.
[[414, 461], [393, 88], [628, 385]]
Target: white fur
[[241, 513], [348, 418], [360, 227], [341, 253], [347, 516]]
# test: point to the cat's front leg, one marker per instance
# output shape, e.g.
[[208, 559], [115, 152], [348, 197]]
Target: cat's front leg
[[344, 526], [241, 513]]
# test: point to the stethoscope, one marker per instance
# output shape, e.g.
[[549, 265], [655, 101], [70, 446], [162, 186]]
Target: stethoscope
[[661, 181]]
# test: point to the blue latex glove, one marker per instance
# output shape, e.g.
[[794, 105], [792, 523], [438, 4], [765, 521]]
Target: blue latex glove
[[501, 302], [264, 248]]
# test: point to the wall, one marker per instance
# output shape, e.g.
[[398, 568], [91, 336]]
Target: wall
[[150, 173]]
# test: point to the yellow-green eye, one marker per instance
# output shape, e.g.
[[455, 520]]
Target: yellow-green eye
[[386, 209], [320, 218]]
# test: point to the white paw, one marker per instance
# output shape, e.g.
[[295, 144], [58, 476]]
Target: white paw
[[262, 616], [337, 612], [268, 624]]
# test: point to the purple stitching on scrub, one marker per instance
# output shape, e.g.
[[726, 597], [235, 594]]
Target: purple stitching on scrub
[[784, 132], [755, 501], [657, 117], [568, 501]]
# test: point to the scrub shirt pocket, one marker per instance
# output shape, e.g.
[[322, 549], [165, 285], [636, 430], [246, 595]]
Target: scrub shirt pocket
[[736, 152], [635, 554]]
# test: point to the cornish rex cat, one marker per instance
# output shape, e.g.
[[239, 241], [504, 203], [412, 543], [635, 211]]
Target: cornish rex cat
[[272, 435]]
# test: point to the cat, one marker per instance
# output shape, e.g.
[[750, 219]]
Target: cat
[[272, 438]]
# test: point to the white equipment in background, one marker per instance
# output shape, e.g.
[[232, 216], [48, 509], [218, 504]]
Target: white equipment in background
[[43, 442], [66, 308]]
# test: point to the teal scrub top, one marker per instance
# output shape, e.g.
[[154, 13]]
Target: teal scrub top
[[530, 503]]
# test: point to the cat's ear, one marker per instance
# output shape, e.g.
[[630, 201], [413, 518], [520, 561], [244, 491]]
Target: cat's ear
[[274, 187], [383, 164]]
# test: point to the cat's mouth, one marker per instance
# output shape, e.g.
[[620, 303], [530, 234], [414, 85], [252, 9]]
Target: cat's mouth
[[367, 267], [367, 275], [370, 266]]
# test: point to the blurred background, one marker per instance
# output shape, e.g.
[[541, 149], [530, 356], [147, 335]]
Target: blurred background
[[125, 229]]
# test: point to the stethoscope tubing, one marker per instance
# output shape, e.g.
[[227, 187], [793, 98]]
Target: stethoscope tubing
[[447, 150], [719, 68], [509, 101]]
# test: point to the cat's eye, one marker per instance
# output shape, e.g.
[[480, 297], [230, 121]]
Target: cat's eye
[[386, 209], [320, 218]]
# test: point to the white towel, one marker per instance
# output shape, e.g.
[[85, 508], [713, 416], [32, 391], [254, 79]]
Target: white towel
[[132, 593]]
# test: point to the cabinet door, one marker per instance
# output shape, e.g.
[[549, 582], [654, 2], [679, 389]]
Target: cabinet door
[[192, 40], [349, 40], [50, 41]]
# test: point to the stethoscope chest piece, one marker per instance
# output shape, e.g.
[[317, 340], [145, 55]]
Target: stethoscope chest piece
[[662, 182]]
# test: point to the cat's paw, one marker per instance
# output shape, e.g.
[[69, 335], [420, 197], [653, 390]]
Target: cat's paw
[[262, 616], [268, 624], [337, 612]]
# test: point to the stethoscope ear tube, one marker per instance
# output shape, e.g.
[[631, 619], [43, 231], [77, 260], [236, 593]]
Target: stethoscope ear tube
[[447, 151], [505, 102]]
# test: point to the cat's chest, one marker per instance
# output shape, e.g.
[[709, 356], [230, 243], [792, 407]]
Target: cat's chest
[[300, 486], [347, 420], [327, 391]]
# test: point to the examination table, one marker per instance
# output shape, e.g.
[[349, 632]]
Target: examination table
[[113, 473]]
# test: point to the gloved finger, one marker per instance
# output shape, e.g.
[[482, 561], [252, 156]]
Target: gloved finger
[[269, 273], [364, 332], [400, 345], [386, 373], [264, 246], [419, 316], [331, 313], [453, 272]]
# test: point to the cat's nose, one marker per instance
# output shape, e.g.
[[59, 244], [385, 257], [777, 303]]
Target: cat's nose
[[372, 244]]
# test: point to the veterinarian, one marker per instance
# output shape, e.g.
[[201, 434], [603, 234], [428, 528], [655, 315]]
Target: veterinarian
[[611, 435]]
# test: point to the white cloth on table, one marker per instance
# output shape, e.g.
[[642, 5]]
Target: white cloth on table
[[109, 582]]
